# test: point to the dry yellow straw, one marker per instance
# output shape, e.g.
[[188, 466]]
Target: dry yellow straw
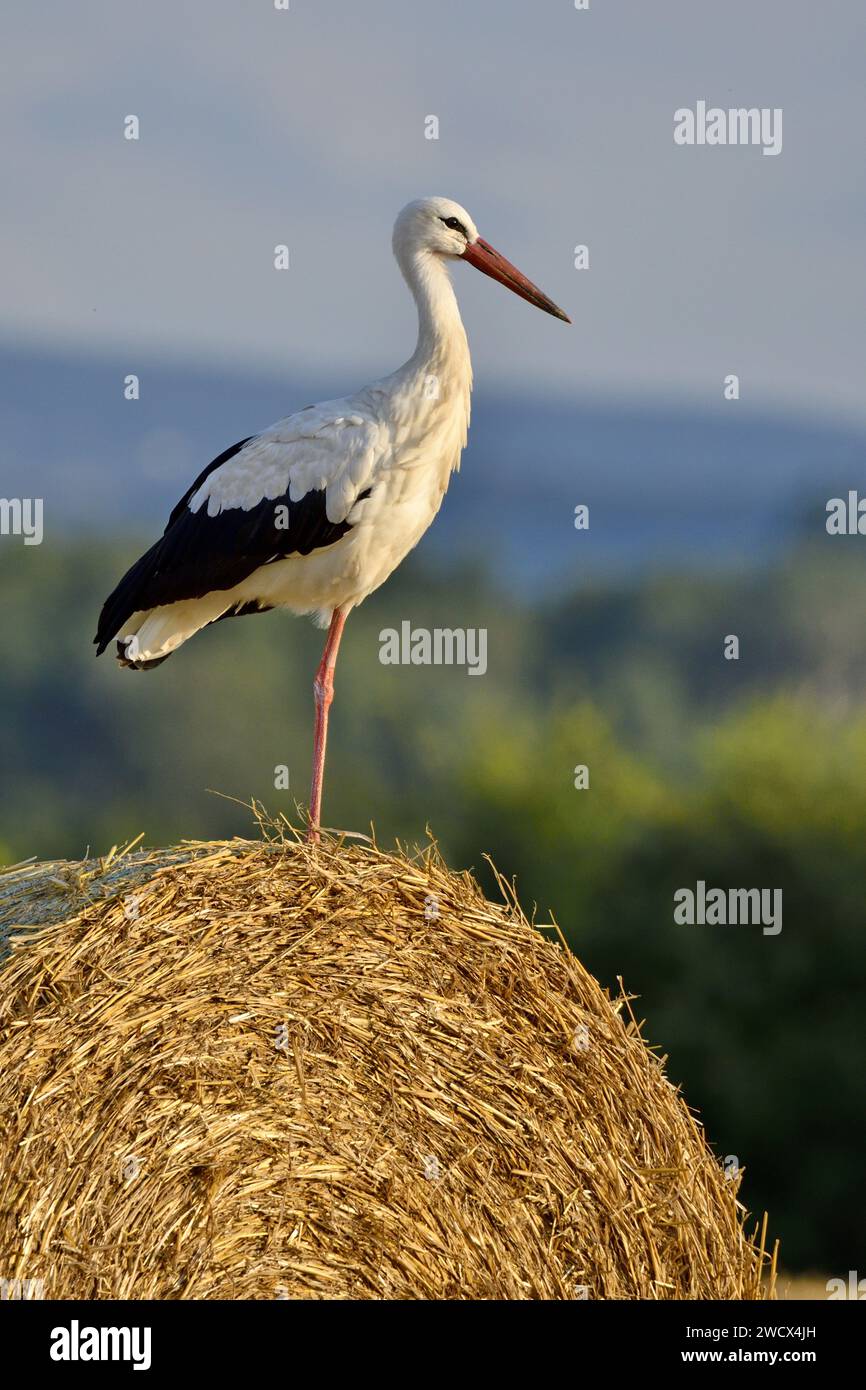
[[260, 1070]]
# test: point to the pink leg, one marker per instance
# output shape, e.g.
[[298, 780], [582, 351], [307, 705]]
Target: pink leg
[[323, 690]]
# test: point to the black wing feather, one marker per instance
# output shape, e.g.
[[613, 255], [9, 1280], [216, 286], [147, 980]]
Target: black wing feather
[[199, 553]]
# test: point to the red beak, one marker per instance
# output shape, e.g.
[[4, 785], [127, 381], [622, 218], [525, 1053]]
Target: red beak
[[482, 255]]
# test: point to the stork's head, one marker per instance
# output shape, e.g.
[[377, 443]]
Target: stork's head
[[443, 227]]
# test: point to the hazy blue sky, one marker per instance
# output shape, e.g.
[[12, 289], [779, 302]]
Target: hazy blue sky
[[556, 127]]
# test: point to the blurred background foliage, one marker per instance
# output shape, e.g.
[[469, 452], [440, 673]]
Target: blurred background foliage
[[743, 774]]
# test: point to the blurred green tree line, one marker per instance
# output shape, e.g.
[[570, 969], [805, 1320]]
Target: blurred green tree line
[[748, 773]]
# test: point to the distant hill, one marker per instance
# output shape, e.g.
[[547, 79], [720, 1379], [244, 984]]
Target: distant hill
[[665, 485]]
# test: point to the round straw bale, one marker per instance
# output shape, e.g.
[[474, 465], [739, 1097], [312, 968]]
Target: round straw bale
[[265, 1070]]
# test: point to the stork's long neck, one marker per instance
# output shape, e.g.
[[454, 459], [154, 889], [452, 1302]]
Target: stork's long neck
[[442, 351], [429, 395]]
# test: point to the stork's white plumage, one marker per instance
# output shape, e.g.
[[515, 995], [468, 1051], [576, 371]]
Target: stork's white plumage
[[315, 513]]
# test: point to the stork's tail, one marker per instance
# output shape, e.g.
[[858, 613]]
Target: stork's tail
[[146, 632], [146, 639], [126, 655]]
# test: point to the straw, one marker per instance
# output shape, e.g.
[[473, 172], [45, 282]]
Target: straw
[[256, 1069]]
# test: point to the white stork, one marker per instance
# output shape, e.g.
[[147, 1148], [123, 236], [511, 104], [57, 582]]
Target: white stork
[[314, 513]]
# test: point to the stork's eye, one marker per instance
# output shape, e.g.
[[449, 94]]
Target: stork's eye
[[456, 225]]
